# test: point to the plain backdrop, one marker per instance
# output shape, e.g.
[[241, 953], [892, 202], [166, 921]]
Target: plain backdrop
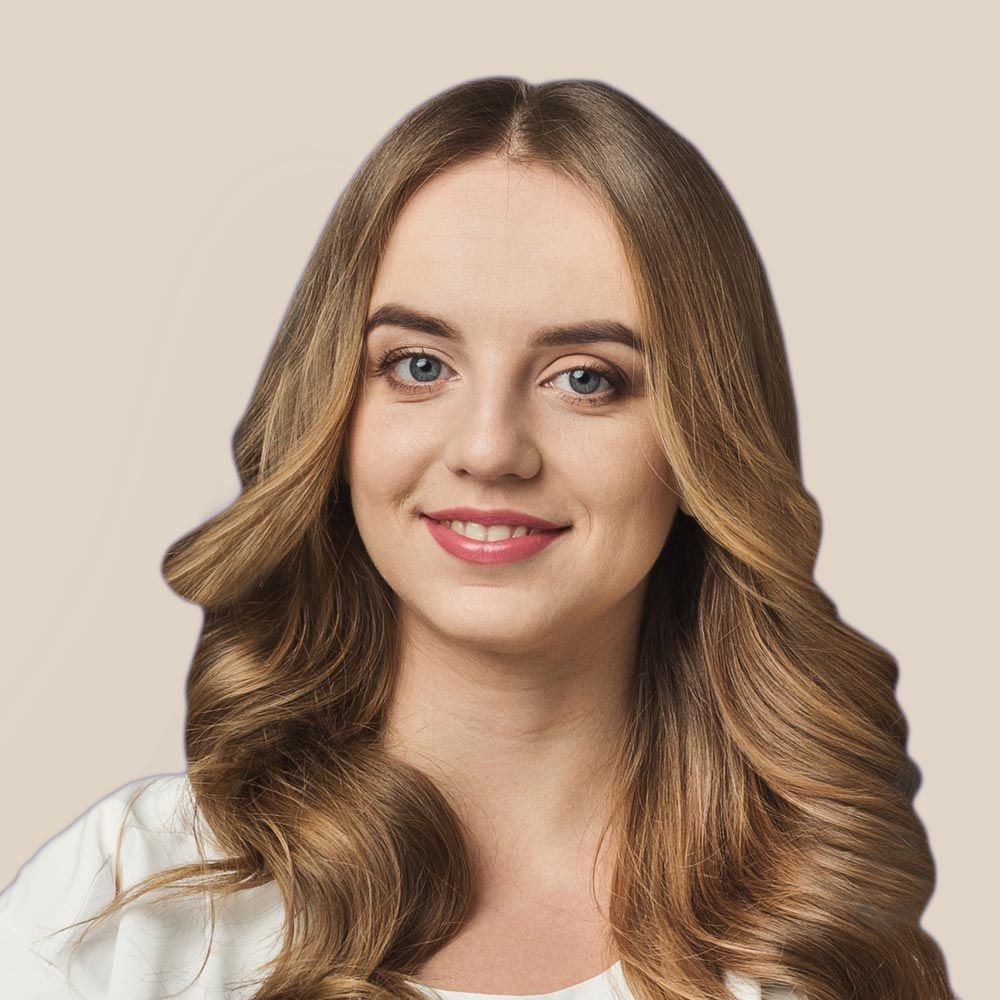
[[166, 173]]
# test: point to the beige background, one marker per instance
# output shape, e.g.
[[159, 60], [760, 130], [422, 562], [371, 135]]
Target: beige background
[[166, 173]]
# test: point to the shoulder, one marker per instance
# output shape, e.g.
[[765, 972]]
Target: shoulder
[[141, 827], [147, 813]]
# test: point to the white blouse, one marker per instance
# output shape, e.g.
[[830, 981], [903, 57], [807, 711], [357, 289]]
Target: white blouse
[[155, 947]]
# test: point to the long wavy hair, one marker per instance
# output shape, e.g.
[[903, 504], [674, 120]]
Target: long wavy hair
[[765, 792]]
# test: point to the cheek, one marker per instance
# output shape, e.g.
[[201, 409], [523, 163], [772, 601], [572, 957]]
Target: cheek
[[384, 453], [635, 505]]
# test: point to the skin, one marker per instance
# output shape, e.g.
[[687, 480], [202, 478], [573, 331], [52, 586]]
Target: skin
[[512, 677]]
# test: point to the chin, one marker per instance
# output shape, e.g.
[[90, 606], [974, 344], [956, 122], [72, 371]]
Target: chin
[[500, 635]]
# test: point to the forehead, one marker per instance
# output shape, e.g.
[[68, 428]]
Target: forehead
[[493, 241]]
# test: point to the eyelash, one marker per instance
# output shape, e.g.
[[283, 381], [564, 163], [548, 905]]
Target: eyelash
[[383, 369]]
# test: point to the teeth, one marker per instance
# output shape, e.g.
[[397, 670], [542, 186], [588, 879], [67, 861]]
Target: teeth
[[490, 533]]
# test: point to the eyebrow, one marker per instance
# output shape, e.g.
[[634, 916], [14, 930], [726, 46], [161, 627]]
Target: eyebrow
[[585, 332]]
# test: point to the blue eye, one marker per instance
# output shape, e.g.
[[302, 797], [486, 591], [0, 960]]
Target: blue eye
[[423, 365], [588, 378], [585, 377]]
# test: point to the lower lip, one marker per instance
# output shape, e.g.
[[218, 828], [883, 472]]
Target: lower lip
[[502, 550]]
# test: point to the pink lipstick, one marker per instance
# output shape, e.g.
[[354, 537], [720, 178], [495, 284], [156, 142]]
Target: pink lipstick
[[501, 550]]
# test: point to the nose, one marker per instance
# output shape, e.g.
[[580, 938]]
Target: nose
[[492, 436]]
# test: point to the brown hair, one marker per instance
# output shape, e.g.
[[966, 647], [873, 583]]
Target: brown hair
[[766, 793]]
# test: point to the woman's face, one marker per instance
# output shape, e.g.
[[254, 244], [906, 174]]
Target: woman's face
[[489, 418]]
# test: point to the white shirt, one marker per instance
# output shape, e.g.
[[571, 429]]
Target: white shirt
[[155, 947]]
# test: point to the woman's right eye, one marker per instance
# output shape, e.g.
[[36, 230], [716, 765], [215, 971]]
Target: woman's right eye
[[428, 365]]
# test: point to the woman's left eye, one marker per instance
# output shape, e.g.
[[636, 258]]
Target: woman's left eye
[[586, 378]]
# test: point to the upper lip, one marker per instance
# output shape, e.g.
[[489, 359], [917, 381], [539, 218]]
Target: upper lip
[[498, 515]]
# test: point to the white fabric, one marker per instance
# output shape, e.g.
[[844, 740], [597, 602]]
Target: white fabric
[[156, 947], [608, 985]]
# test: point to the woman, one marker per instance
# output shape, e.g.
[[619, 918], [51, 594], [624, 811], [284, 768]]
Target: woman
[[514, 679]]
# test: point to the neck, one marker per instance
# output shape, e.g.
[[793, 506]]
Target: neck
[[524, 747]]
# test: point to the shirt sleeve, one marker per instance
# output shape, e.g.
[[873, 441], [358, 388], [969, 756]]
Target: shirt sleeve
[[67, 879], [28, 976]]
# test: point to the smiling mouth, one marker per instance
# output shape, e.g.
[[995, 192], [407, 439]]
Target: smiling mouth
[[513, 545]]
